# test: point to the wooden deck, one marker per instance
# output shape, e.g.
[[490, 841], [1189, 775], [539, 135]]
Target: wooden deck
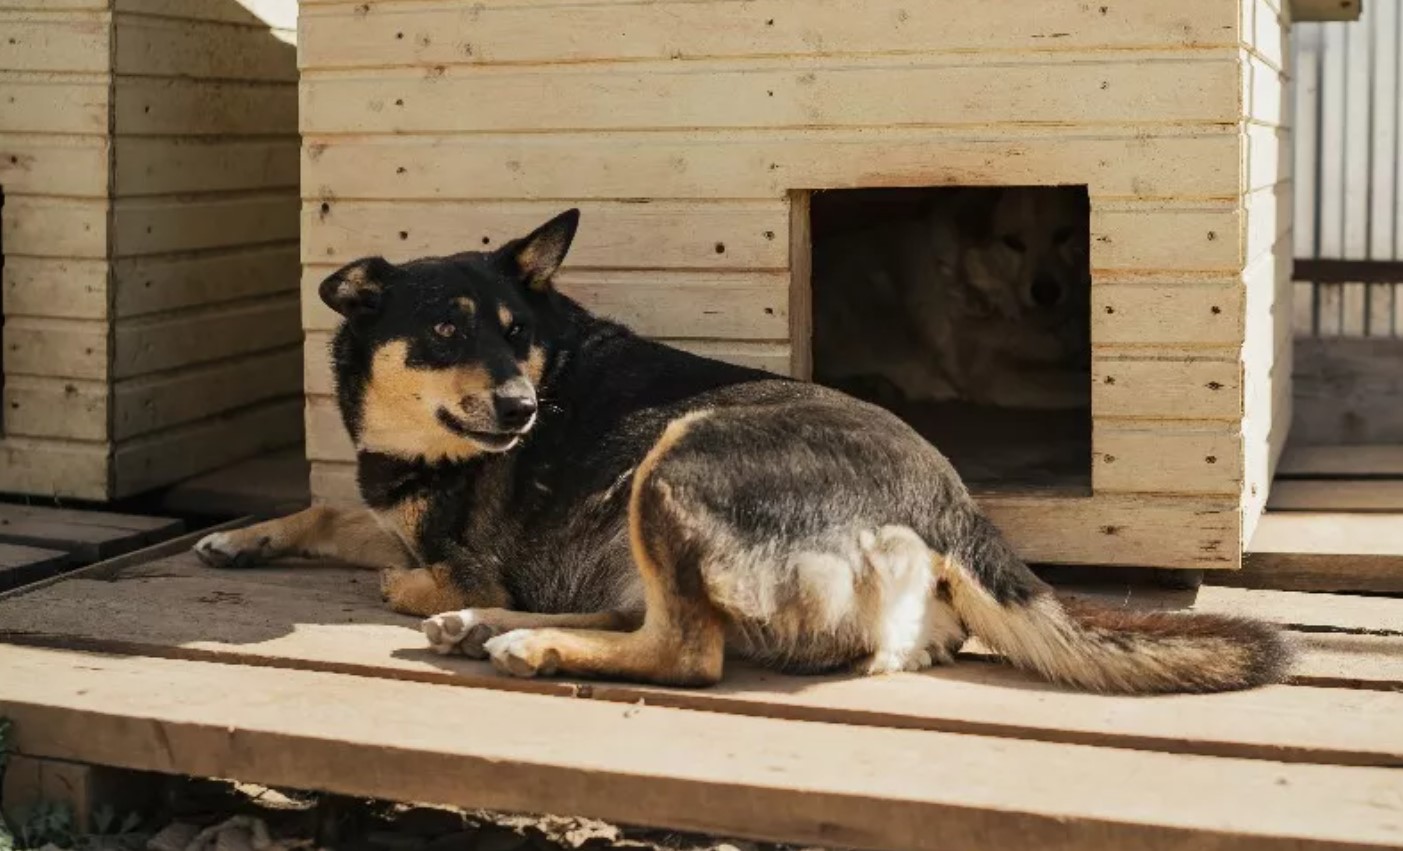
[[37, 542], [297, 676]]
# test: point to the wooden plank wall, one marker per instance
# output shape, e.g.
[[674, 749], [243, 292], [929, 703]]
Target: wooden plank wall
[[55, 92], [206, 355], [1268, 211], [681, 128]]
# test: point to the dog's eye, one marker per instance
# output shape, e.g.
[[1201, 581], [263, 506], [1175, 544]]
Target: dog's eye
[[1015, 243], [1061, 235], [514, 330], [445, 329]]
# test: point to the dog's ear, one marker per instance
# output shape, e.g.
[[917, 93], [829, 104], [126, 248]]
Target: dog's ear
[[358, 288], [537, 257]]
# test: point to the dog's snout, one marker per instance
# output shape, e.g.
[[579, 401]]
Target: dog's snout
[[514, 404], [1046, 291]]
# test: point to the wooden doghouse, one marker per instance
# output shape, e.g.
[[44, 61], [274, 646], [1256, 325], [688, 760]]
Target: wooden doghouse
[[148, 160], [692, 134]]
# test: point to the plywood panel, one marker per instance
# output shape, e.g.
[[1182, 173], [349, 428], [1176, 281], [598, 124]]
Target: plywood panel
[[149, 404], [192, 107], [181, 224], [687, 305], [1042, 88], [642, 234], [439, 34], [1187, 458], [54, 103], [170, 341], [160, 166], [46, 286], [171, 282], [149, 46], [765, 164]]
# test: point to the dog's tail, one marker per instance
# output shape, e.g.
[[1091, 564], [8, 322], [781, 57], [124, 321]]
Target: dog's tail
[[1094, 647]]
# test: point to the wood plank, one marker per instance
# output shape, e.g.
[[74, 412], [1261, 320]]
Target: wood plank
[[172, 282], [1323, 552], [195, 107], [54, 468], [642, 234], [155, 165], [1171, 388], [279, 618], [57, 287], [170, 456], [439, 34], [56, 41], [1113, 529], [1348, 391], [1133, 314], [1326, 10], [775, 780], [671, 304], [149, 46], [335, 484], [55, 103], [767, 164], [1158, 236], [1337, 496], [68, 166], [168, 399], [150, 529], [270, 485], [180, 224], [1003, 88], [169, 341], [801, 299], [1306, 75], [20, 565], [30, 527], [38, 226], [56, 407], [1342, 462], [56, 348], [1185, 458]]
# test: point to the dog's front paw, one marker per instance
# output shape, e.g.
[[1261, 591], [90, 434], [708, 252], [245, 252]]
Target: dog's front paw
[[236, 549], [892, 661], [464, 633], [523, 653]]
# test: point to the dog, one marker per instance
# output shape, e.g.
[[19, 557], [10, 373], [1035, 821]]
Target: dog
[[555, 493], [984, 296]]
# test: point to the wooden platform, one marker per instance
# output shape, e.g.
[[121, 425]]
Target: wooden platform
[[297, 676], [37, 541]]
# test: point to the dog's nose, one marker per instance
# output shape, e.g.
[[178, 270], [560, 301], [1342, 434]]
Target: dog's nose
[[1046, 292], [514, 405]]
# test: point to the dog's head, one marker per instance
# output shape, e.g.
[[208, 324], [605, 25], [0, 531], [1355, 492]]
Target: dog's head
[[442, 358], [1030, 254]]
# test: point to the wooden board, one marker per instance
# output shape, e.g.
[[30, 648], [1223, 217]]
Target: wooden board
[[1348, 391], [1323, 552], [89, 535], [21, 565], [270, 485], [1342, 462], [1380, 495], [779, 780]]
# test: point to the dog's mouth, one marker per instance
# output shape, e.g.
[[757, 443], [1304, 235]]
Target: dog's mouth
[[492, 441]]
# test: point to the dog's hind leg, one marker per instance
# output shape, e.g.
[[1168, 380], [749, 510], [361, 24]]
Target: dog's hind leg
[[352, 536], [682, 638], [900, 562]]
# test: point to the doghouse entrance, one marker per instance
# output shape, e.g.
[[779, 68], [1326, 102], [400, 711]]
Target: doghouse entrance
[[965, 311]]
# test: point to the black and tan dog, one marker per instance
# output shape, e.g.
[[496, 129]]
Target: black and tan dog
[[563, 496]]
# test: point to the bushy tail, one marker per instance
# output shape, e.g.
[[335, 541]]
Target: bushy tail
[[1096, 647]]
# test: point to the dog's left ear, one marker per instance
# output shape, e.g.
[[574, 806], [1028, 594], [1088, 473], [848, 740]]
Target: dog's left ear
[[538, 256]]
